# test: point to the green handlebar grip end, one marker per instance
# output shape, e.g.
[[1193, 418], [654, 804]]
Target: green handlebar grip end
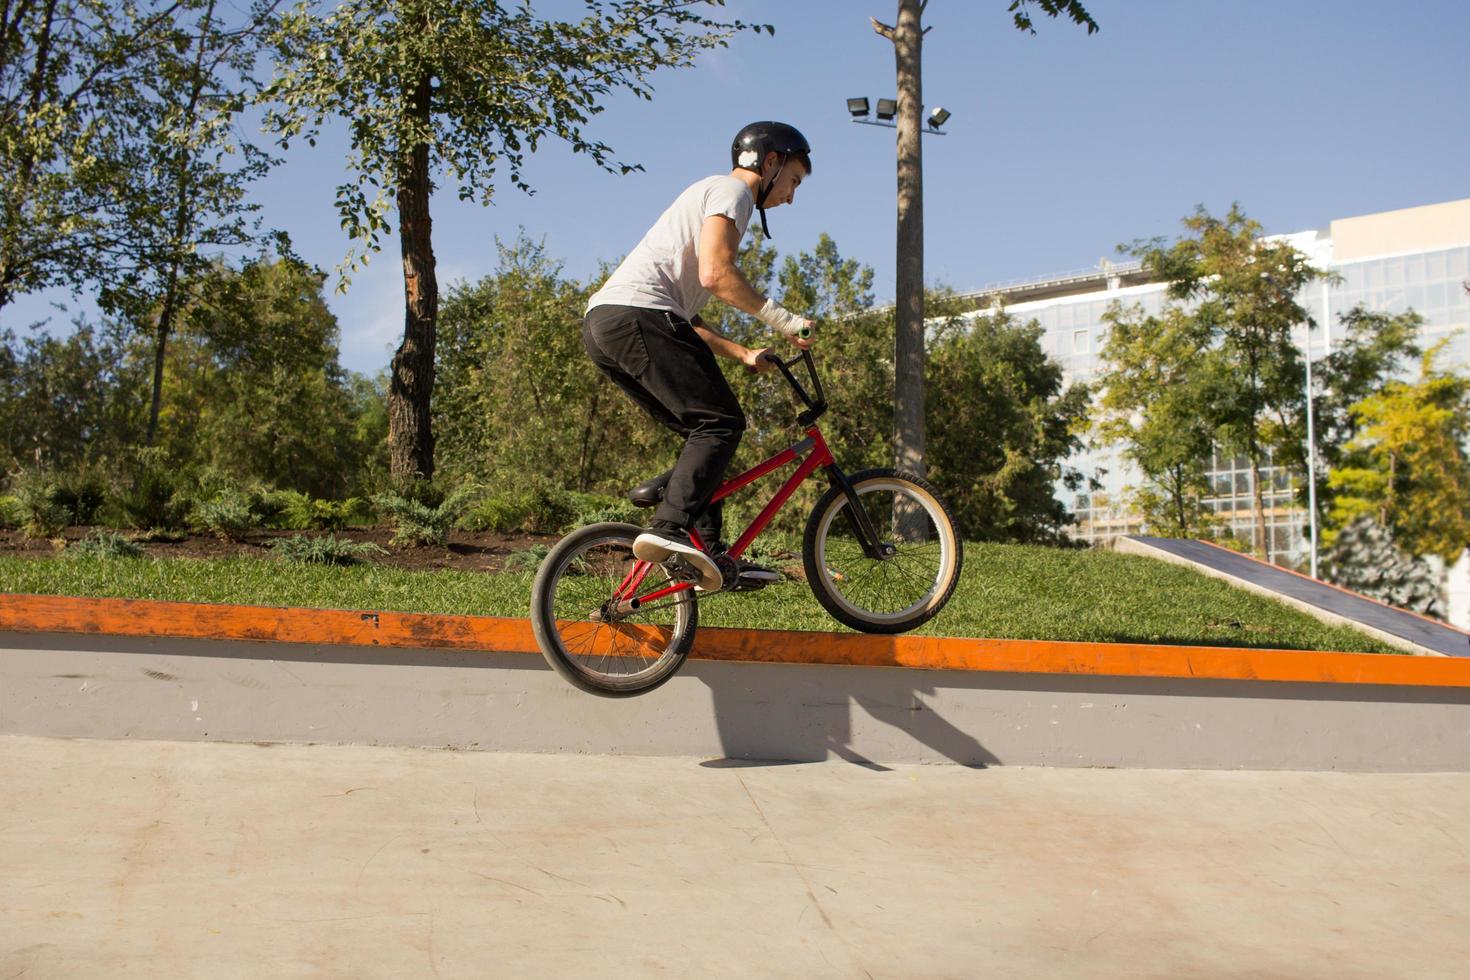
[[805, 333]]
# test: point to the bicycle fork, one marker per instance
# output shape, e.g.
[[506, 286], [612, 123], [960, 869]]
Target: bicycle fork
[[857, 517]]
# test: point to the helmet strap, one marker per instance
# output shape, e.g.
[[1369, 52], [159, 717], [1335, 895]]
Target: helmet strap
[[760, 199]]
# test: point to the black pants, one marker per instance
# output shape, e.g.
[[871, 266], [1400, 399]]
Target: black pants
[[664, 366]]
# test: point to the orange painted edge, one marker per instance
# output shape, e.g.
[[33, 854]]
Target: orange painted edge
[[146, 617]]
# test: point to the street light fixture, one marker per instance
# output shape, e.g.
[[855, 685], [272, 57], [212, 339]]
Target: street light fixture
[[888, 108]]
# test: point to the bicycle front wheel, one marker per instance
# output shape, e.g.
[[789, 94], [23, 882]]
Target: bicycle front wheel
[[584, 633], [911, 581]]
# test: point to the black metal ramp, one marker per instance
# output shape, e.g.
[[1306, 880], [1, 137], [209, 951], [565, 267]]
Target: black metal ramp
[[1439, 637]]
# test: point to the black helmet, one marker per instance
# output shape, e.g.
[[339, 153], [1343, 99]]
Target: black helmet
[[752, 143], [748, 152]]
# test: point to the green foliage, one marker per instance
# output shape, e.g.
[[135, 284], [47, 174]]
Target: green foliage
[[42, 516], [82, 491], [995, 452], [1375, 351], [1071, 9], [48, 502], [475, 83], [1240, 293], [117, 144], [1156, 403], [419, 522], [300, 512], [548, 510], [103, 544], [1407, 466], [253, 387], [227, 514], [528, 560], [154, 496], [326, 550], [65, 402], [12, 513], [517, 401]]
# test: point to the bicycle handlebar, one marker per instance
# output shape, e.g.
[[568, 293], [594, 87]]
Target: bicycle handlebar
[[816, 407]]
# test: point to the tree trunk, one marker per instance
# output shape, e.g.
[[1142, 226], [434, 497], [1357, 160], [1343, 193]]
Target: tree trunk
[[161, 332], [1179, 501], [410, 436], [1263, 540]]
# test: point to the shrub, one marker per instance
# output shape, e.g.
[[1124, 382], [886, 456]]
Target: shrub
[[154, 498], [103, 544], [418, 522], [40, 515], [310, 514], [595, 508], [528, 560], [227, 515], [46, 503], [11, 512], [503, 512], [328, 550], [548, 510], [81, 491]]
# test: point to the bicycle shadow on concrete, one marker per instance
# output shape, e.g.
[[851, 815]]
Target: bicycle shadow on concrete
[[781, 714]]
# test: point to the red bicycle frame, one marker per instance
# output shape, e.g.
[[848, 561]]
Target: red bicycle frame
[[819, 456]]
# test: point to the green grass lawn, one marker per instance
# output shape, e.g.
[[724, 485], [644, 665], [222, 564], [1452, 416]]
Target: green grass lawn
[[1010, 591]]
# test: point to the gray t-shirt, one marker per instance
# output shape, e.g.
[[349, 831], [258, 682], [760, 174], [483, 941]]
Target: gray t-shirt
[[662, 271]]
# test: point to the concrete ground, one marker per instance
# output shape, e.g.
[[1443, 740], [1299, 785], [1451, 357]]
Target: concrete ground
[[174, 859]]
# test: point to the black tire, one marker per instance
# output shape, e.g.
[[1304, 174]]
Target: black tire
[[635, 654], [894, 594]]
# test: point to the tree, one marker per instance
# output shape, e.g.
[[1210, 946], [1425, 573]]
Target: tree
[[188, 171], [253, 388], [908, 38], [460, 88], [1242, 290], [67, 401], [1158, 396], [1407, 468], [1001, 426], [64, 64], [521, 403], [1375, 351]]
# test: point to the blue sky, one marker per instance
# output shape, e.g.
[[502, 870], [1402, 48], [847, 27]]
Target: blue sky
[[1060, 147]]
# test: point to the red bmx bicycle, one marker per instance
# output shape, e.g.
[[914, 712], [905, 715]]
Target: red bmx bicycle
[[880, 552]]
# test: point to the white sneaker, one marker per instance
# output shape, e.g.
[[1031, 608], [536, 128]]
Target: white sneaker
[[661, 544]]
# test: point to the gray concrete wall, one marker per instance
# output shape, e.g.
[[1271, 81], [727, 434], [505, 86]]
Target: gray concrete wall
[[121, 687]]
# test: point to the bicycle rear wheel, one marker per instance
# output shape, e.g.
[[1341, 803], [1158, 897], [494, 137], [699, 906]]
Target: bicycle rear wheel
[[906, 587], [586, 638]]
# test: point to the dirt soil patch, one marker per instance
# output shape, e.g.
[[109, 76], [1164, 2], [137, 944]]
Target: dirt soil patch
[[467, 551]]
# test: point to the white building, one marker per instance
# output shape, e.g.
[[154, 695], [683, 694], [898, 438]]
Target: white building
[[1415, 259]]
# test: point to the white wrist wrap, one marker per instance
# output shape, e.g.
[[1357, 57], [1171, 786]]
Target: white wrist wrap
[[780, 318]]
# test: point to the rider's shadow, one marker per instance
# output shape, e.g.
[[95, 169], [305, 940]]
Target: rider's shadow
[[770, 713]]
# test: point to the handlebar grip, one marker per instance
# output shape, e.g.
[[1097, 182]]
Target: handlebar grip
[[805, 333]]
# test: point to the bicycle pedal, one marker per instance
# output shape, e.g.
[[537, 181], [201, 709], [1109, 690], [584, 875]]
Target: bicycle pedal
[[681, 569]]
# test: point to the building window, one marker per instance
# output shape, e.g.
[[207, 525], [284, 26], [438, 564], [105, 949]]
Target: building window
[[1079, 341]]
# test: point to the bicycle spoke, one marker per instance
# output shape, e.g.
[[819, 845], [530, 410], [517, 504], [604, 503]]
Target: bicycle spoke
[[898, 584], [612, 647]]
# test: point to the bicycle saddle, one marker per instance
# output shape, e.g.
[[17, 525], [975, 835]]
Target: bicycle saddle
[[650, 493]]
